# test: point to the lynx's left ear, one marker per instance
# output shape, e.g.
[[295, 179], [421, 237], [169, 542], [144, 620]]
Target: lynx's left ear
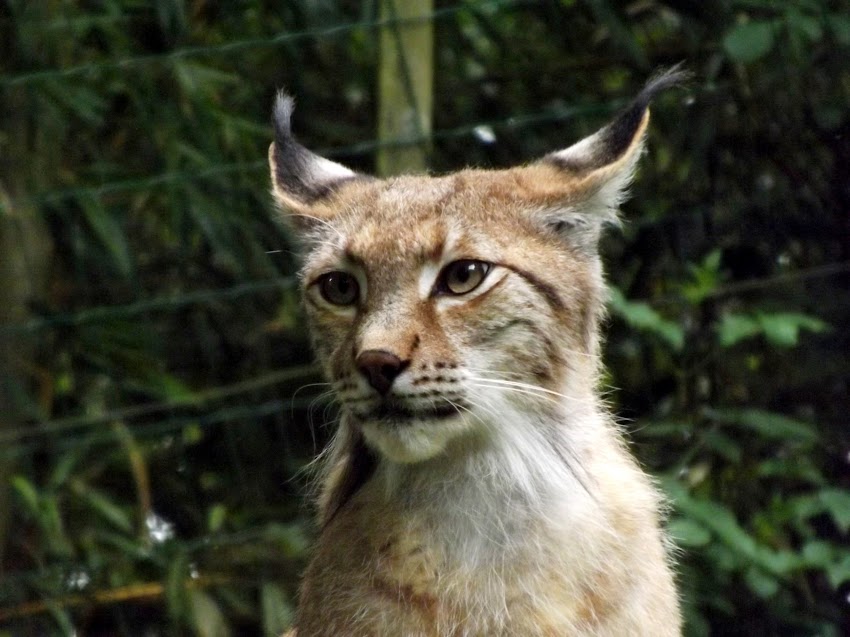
[[594, 174], [300, 178]]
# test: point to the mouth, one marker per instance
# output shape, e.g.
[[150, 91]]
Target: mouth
[[408, 431], [393, 413]]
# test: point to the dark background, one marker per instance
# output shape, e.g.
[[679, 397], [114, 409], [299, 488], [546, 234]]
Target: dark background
[[157, 390]]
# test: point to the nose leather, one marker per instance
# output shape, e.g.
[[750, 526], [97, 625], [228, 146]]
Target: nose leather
[[380, 368]]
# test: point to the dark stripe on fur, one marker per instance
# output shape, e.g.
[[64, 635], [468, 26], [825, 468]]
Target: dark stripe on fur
[[547, 291], [359, 467]]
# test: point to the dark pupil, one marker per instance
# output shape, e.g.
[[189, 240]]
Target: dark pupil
[[464, 272], [339, 288], [343, 285]]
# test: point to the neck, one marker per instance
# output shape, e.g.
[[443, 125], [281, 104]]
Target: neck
[[526, 468]]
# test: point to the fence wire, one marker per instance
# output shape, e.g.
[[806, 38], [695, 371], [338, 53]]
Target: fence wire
[[67, 437], [229, 48]]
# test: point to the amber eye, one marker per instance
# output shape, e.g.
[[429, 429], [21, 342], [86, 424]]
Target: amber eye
[[462, 276], [339, 288]]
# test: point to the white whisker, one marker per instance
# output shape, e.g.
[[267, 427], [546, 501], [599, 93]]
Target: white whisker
[[528, 389]]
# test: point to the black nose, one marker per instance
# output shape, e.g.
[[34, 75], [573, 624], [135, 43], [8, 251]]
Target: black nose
[[380, 368]]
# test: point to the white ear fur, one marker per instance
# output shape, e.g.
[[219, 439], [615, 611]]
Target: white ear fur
[[607, 184]]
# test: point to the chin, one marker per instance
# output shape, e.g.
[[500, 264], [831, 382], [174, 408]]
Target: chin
[[410, 442]]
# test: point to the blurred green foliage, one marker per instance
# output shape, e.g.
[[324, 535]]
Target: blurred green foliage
[[155, 435]]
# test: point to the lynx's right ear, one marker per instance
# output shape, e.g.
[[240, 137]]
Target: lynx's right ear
[[585, 184], [300, 178]]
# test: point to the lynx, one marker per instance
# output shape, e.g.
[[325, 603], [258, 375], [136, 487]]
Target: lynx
[[477, 485]]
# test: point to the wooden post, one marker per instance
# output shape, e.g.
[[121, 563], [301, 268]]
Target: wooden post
[[24, 258], [28, 157], [405, 85]]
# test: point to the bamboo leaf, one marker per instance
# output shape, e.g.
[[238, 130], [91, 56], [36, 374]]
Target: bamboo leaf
[[207, 617], [28, 493], [278, 613], [110, 232], [103, 505], [767, 424], [175, 587]]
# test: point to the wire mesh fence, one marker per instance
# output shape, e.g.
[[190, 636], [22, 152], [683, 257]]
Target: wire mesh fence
[[159, 403]]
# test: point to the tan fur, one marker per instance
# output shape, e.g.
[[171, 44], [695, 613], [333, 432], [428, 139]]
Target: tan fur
[[523, 513]]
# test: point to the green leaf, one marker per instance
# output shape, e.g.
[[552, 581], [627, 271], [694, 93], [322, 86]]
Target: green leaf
[[196, 78], [167, 386], [733, 328], [724, 445], [175, 586], [278, 614], [840, 25], [797, 467], [641, 316], [711, 262], [82, 100], [818, 553], [839, 572], [762, 584], [723, 524], [105, 507], [782, 328], [663, 429], [128, 545], [837, 502], [207, 617], [192, 434], [749, 41], [805, 24], [688, 533], [290, 539], [51, 523], [778, 331], [829, 557], [720, 520], [62, 618], [779, 328], [66, 464], [215, 517], [705, 278], [767, 424], [28, 493], [108, 229]]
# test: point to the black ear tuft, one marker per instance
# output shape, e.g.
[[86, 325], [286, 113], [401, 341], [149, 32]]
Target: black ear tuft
[[620, 132], [613, 141], [299, 176]]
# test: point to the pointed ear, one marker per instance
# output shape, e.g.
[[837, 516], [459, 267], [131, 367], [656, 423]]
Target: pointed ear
[[596, 172], [299, 177]]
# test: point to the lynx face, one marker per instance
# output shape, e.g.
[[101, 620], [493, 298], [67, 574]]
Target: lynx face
[[441, 307], [438, 303]]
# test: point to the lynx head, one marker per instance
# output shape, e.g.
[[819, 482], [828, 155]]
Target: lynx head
[[442, 308]]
